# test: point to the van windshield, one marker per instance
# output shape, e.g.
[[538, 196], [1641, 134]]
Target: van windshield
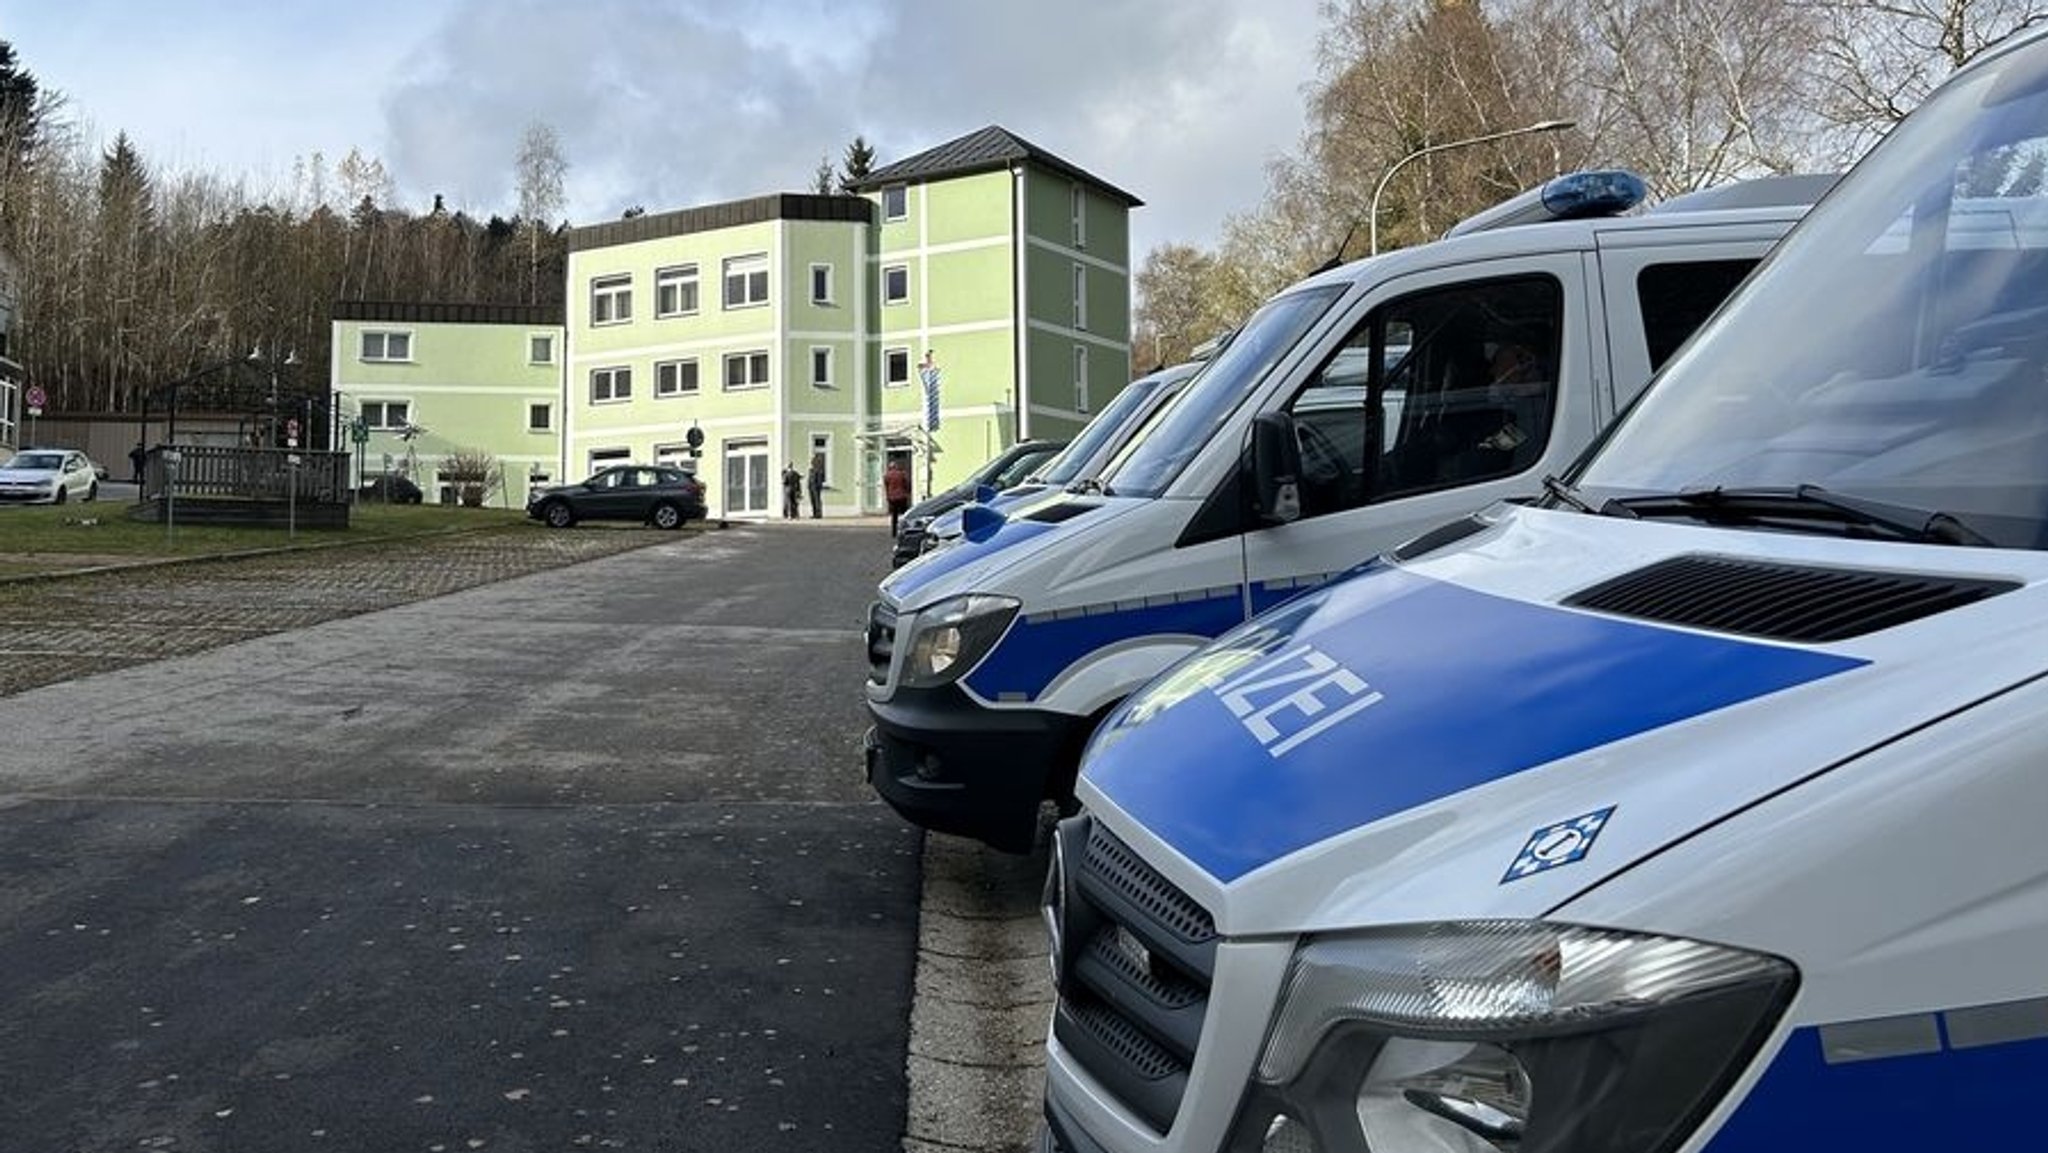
[[1177, 432], [1893, 355], [1101, 432]]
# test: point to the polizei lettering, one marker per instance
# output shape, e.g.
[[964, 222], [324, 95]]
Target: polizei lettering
[[1294, 696]]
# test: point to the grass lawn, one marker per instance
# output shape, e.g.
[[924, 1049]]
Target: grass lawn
[[40, 538]]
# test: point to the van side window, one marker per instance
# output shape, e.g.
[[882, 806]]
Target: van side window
[[1678, 298], [1447, 387]]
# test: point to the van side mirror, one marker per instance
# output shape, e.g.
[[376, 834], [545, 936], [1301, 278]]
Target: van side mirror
[[1275, 469]]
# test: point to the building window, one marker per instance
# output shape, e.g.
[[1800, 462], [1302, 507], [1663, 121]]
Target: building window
[[675, 291], [540, 417], [606, 457], [389, 415], [1080, 212], [675, 377], [895, 284], [746, 281], [821, 446], [746, 370], [1081, 297], [609, 384], [611, 299], [821, 366], [540, 348], [895, 368], [1080, 378], [895, 202], [387, 346], [821, 284]]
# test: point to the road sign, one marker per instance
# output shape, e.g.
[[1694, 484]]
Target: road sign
[[359, 431], [291, 427], [35, 396]]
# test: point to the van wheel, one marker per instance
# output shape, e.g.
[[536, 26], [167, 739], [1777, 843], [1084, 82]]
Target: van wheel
[[667, 516]]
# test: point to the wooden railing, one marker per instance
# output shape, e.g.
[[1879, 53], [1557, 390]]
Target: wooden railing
[[247, 474]]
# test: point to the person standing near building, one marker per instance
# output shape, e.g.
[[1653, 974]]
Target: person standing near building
[[792, 491], [817, 485], [896, 489], [136, 456]]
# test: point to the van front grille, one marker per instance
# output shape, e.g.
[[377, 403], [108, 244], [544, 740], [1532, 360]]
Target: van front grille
[[1135, 957]]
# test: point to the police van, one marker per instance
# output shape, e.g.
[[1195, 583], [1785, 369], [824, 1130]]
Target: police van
[[1697, 806], [1421, 384], [1085, 456]]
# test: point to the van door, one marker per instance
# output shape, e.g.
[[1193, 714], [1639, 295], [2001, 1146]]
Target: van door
[[1453, 392]]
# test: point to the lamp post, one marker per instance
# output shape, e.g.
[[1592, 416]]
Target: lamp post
[[1373, 213]]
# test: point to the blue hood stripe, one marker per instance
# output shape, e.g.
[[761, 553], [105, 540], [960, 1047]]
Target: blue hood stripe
[[1471, 688]]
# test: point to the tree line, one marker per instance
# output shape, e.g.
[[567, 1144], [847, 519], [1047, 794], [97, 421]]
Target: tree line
[[1687, 93], [127, 280]]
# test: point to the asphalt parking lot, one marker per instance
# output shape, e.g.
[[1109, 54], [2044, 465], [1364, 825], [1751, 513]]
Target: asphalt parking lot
[[556, 843]]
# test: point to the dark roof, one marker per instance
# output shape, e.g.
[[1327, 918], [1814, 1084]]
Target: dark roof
[[415, 312], [779, 206], [984, 151]]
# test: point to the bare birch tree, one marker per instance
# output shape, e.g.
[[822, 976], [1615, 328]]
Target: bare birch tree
[[542, 168]]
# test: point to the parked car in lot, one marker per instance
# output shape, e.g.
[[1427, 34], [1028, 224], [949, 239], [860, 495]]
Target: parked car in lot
[[1010, 467], [48, 476], [390, 489], [653, 494]]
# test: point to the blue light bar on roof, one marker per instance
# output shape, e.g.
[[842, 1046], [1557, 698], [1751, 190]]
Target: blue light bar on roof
[[1573, 196]]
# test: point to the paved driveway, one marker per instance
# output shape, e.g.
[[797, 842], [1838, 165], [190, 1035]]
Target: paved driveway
[[575, 860]]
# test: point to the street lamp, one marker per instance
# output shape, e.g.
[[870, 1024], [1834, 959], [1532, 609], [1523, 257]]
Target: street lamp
[[1373, 213]]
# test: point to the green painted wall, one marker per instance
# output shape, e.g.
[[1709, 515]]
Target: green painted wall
[[469, 386]]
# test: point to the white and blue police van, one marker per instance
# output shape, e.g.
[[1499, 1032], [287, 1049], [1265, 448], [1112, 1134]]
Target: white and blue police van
[[1697, 806], [1420, 384], [1084, 458]]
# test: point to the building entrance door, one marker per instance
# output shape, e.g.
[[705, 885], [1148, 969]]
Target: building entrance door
[[746, 478]]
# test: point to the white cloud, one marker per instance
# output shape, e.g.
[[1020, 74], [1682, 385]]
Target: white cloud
[[670, 103]]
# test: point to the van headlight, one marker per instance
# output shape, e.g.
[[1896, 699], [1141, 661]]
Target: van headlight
[[1490, 1036], [952, 635]]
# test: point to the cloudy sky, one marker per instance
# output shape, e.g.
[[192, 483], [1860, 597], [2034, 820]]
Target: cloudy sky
[[669, 103]]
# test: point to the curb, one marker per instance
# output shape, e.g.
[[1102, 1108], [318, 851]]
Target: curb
[[983, 997]]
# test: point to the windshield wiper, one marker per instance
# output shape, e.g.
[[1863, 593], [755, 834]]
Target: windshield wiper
[[1806, 502], [1565, 494]]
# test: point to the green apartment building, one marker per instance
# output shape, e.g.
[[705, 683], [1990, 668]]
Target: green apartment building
[[422, 383], [788, 327]]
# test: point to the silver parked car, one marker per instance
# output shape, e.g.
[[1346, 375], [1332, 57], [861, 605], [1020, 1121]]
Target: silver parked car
[[48, 476]]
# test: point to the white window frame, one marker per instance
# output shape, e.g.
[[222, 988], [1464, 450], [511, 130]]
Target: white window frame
[[384, 339], [889, 354], [825, 296], [547, 410], [618, 384], [599, 458], [750, 357], [673, 369], [893, 298], [745, 269], [1078, 200], [673, 280], [383, 422], [820, 442], [901, 194], [545, 341], [611, 299], [1081, 297], [1081, 378], [822, 358]]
